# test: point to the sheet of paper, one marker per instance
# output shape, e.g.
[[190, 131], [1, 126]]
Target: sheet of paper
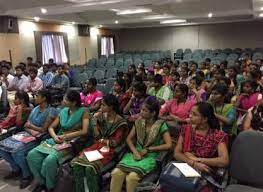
[[93, 155], [187, 170]]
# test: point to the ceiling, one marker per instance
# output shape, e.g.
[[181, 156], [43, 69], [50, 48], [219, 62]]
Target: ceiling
[[99, 12]]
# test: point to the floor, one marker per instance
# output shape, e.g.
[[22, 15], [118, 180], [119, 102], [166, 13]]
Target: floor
[[10, 185]]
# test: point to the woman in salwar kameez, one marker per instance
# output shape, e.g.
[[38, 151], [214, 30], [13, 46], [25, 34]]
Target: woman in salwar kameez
[[151, 136], [17, 114], [45, 159], [15, 151], [109, 131]]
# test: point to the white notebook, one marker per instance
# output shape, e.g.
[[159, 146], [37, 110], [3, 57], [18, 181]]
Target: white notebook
[[93, 155], [187, 170]]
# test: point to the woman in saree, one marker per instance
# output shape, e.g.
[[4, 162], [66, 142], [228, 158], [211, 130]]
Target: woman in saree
[[44, 160], [14, 150], [203, 147], [225, 113], [150, 136], [18, 113], [109, 131]]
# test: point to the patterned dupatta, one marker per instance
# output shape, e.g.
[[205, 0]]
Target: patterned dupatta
[[144, 138], [108, 129]]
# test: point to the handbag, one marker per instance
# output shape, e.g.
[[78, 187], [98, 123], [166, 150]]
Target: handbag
[[65, 182], [172, 180]]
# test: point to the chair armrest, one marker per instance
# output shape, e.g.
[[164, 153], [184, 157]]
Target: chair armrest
[[76, 144], [221, 183], [162, 158]]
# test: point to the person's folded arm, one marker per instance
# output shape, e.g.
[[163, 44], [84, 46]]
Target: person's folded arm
[[179, 155], [221, 161]]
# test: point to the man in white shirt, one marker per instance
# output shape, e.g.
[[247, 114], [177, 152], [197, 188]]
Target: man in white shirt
[[6, 78], [20, 80]]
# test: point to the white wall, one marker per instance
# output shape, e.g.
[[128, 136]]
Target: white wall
[[228, 35]]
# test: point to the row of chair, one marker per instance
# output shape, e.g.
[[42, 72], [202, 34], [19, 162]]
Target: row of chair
[[120, 60], [227, 51], [217, 56]]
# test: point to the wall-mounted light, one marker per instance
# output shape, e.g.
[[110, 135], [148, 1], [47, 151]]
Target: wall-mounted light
[[43, 10], [36, 19]]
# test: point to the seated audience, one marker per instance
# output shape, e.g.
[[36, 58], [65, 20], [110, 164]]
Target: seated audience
[[184, 78], [225, 113], [109, 131], [44, 160], [53, 68], [150, 80], [34, 83], [248, 97], [18, 113], [29, 61], [128, 80], [14, 150], [19, 83], [60, 80], [6, 78], [162, 92], [177, 110], [202, 146], [90, 96], [133, 107], [150, 136], [174, 80], [132, 70], [196, 86], [158, 68], [193, 69], [119, 92], [46, 76], [254, 118], [141, 72], [166, 74]]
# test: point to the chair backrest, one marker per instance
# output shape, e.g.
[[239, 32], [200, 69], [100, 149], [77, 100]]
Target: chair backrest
[[246, 158], [99, 74]]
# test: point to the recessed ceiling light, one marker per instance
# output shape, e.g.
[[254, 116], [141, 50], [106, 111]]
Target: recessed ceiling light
[[100, 25], [133, 11], [210, 15], [261, 8], [116, 22], [260, 15], [156, 17], [73, 22], [36, 19], [114, 10], [43, 10], [173, 21]]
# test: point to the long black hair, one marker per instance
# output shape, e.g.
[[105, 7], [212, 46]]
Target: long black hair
[[184, 89], [45, 93], [74, 96], [112, 101], [153, 105], [122, 84], [23, 96], [207, 111]]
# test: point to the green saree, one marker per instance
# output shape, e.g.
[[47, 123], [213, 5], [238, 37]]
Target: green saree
[[89, 171], [144, 139]]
